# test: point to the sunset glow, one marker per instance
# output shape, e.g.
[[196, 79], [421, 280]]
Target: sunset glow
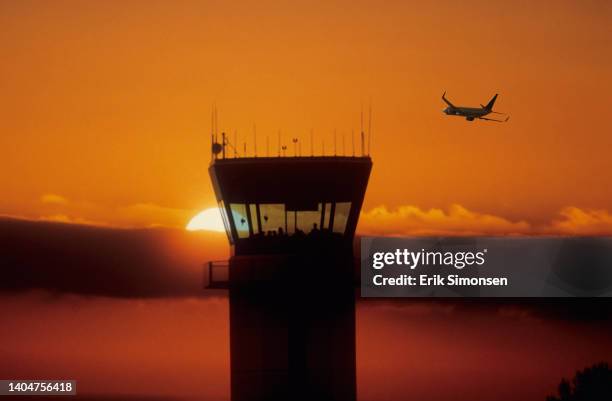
[[206, 220]]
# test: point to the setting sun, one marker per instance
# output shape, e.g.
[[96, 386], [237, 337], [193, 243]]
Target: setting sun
[[206, 220]]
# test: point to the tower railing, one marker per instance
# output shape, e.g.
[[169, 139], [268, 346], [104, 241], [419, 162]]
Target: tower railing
[[216, 274], [227, 148]]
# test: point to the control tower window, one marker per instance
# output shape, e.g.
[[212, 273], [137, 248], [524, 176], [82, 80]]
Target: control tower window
[[239, 215], [225, 221], [254, 221], [272, 217], [326, 214], [341, 216], [307, 219], [291, 219]]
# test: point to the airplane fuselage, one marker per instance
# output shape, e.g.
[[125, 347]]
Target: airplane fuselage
[[469, 113]]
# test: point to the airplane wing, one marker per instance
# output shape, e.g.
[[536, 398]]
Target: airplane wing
[[446, 100], [491, 119]]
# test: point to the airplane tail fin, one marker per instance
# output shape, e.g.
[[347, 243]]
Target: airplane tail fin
[[447, 101], [489, 105]]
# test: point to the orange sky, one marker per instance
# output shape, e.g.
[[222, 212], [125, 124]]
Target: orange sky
[[106, 104]]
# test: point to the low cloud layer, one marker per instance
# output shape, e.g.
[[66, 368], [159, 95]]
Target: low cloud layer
[[112, 262], [53, 199], [57, 208], [410, 220], [575, 221], [457, 220]]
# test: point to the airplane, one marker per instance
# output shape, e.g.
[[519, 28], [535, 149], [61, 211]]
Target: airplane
[[470, 113]]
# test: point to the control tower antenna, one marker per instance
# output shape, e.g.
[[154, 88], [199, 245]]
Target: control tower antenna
[[223, 141], [362, 133], [267, 146], [343, 147], [214, 129], [279, 143], [235, 141], [353, 140], [216, 117], [255, 140], [311, 142], [223, 144], [216, 148], [370, 129], [335, 145]]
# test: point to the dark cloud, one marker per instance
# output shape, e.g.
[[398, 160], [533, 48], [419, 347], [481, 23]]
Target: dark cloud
[[86, 260], [596, 310]]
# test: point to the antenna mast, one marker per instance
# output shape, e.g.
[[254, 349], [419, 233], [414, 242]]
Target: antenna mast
[[295, 146], [216, 132], [311, 142], [370, 129], [215, 122], [223, 145], [212, 136], [255, 139], [335, 145], [362, 134], [235, 143]]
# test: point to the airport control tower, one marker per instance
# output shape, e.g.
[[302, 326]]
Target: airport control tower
[[291, 274]]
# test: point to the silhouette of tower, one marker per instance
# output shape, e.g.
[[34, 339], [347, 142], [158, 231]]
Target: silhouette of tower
[[291, 274]]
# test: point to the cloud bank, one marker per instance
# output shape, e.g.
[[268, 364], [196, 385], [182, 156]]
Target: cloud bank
[[575, 221], [57, 208], [457, 220]]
